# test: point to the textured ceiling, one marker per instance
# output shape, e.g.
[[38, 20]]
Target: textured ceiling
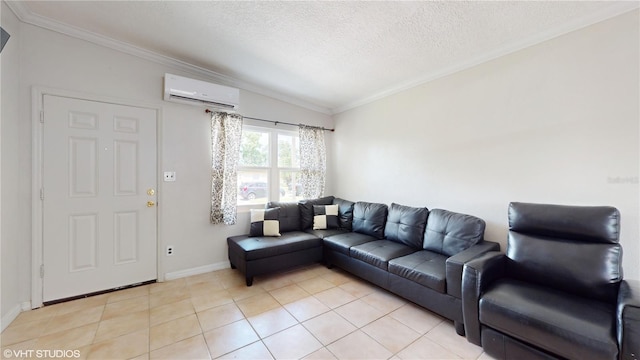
[[330, 55]]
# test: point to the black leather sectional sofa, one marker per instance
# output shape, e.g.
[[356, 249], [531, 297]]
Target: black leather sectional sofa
[[413, 252]]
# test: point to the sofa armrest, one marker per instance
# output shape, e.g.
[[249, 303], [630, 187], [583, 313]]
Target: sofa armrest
[[477, 275], [456, 262], [628, 319]]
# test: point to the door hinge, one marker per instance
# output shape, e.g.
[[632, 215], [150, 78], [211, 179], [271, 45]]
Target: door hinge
[[42, 271], [42, 116], [41, 193]]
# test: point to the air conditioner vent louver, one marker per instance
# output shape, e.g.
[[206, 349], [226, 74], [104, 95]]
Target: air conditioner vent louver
[[178, 98], [190, 91]]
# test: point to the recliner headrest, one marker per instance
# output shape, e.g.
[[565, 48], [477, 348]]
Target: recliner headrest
[[599, 224]]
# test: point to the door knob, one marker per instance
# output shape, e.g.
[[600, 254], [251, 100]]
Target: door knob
[[150, 203]]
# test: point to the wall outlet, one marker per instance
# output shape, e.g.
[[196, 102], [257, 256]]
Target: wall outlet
[[169, 250], [169, 176]]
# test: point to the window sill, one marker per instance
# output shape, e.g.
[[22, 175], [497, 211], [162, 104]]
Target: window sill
[[247, 208]]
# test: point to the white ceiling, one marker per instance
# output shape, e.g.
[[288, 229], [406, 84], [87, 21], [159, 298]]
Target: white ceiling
[[328, 56]]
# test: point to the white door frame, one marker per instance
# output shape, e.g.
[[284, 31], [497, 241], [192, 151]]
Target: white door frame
[[37, 216]]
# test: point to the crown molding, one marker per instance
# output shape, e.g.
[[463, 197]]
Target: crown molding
[[609, 12], [24, 14]]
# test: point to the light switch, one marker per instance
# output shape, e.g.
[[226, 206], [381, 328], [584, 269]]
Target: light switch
[[169, 176]]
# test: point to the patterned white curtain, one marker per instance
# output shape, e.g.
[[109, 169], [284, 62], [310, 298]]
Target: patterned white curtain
[[226, 132], [313, 161]]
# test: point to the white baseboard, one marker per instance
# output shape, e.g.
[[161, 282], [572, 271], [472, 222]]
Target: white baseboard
[[13, 314], [10, 316], [196, 271], [26, 306]]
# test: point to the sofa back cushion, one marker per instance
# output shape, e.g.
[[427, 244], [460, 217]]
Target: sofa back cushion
[[449, 233], [345, 213], [306, 210], [370, 218], [289, 215], [570, 248], [406, 225]]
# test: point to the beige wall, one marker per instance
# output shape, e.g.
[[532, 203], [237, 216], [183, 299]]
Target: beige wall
[[553, 123], [11, 207]]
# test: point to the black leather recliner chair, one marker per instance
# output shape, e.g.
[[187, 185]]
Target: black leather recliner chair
[[557, 292]]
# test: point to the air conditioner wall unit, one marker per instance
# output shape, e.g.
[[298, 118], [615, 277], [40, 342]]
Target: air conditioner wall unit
[[195, 92]]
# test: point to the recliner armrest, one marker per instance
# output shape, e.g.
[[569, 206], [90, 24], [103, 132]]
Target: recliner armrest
[[456, 262], [477, 275], [628, 319]]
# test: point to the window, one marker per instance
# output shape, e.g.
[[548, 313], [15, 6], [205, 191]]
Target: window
[[269, 166]]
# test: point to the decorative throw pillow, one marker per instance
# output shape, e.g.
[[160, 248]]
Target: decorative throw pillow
[[325, 217], [264, 222]]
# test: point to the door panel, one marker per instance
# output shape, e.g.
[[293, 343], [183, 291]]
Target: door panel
[[126, 168], [126, 237], [98, 232], [83, 242], [83, 167]]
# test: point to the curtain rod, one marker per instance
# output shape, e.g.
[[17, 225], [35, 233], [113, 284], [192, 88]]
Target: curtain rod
[[279, 122]]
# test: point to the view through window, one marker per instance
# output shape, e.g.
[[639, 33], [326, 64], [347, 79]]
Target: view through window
[[269, 166]]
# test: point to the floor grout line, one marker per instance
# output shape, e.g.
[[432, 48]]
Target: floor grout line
[[224, 280]]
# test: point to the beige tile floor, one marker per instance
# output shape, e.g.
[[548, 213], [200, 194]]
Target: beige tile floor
[[311, 312]]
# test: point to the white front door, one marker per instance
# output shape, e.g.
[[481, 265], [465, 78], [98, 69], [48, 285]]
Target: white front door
[[99, 190]]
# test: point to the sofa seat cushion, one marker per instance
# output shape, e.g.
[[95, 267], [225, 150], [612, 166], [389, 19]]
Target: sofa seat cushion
[[343, 242], [378, 253], [326, 232], [564, 324], [424, 267], [261, 247]]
